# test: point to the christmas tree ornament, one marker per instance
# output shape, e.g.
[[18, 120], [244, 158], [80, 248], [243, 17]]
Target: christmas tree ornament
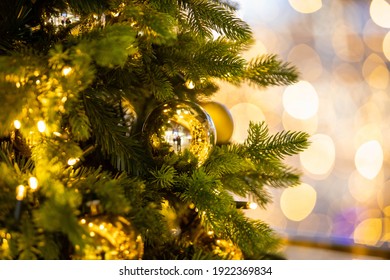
[[222, 119], [177, 127], [113, 238]]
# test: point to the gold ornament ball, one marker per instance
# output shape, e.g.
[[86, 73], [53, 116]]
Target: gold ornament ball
[[177, 127], [112, 238], [222, 119]]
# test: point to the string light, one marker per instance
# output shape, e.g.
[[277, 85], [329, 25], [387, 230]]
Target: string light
[[20, 192], [72, 161], [252, 205], [17, 124], [246, 205], [190, 84], [41, 126], [66, 70], [33, 183]]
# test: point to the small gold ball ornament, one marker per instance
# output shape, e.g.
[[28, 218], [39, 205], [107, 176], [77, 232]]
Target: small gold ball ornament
[[112, 238], [176, 127], [222, 119]]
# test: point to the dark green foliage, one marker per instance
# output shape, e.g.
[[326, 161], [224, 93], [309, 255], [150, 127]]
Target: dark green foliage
[[74, 78]]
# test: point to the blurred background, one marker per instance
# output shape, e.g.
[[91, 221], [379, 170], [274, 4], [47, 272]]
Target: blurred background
[[342, 50]]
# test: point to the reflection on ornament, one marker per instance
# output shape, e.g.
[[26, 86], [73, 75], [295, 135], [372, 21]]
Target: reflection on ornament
[[113, 238], [222, 120], [177, 127]]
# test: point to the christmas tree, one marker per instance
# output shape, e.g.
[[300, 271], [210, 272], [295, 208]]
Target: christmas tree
[[105, 150]]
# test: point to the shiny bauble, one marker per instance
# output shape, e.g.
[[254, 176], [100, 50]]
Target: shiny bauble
[[178, 127], [111, 238], [222, 119]]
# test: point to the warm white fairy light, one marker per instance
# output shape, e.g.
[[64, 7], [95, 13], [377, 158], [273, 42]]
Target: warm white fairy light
[[252, 205], [41, 126], [66, 70], [33, 183], [190, 84], [20, 192], [17, 124], [73, 161]]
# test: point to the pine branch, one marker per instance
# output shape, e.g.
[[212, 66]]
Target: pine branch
[[79, 124], [217, 213], [225, 160], [100, 185], [28, 241], [219, 59], [164, 177], [205, 16], [153, 25], [61, 216], [268, 70], [84, 7], [255, 238], [158, 83], [285, 143], [110, 136]]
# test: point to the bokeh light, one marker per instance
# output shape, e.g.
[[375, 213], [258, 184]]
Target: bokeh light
[[375, 72], [379, 11], [243, 114], [318, 160], [300, 100], [386, 46], [347, 43], [307, 60], [342, 51], [369, 159], [308, 125], [306, 6], [368, 232], [298, 202], [361, 189], [372, 36]]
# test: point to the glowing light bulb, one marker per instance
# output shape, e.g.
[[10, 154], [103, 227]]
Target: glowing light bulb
[[66, 71], [17, 124], [190, 84], [41, 126], [20, 192], [252, 205], [73, 161], [33, 183]]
